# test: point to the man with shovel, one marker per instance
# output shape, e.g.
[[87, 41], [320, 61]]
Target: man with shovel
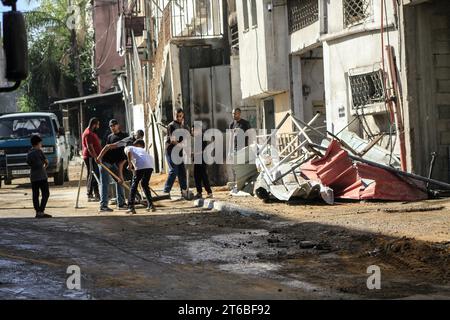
[[141, 163], [113, 159]]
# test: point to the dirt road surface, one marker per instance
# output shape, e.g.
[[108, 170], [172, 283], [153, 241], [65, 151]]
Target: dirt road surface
[[300, 251]]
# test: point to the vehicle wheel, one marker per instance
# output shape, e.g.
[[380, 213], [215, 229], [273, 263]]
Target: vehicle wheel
[[66, 175], [59, 176], [8, 182], [0, 182]]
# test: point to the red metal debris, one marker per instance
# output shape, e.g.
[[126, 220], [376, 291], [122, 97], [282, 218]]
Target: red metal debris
[[354, 180]]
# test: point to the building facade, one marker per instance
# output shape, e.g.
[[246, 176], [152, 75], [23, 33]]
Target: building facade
[[373, 69], [177, 55]]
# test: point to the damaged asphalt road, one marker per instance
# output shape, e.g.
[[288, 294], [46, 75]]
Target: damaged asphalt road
[[183, 252], [200, 255]]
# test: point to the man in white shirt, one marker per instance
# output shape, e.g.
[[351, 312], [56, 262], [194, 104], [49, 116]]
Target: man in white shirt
[[141, 164]]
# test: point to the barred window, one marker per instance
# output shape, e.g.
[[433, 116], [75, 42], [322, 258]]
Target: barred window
[[367, 88], [302, 13], [234, 37], [356, 11]]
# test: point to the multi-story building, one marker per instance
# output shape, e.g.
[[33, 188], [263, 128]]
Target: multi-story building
[[180, 59], [377, 69]]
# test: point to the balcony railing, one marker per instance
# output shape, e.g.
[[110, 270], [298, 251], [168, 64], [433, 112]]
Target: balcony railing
[[197, 18], [234, 37]]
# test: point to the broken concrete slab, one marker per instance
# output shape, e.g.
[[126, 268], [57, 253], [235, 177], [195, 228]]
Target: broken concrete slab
[[228, 208]]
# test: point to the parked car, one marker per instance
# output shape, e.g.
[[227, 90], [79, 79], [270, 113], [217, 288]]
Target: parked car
[[15, 132]]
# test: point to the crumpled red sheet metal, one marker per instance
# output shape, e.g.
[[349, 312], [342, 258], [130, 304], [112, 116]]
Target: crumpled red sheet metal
[[355, 180]]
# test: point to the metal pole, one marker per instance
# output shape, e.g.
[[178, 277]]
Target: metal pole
[[276, 129]]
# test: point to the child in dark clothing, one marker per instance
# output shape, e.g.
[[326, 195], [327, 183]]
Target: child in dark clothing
[[200, 174], [38, 176]]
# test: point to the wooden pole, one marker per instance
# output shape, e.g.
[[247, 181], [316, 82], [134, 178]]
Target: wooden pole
[[79, 186], [396, 103]]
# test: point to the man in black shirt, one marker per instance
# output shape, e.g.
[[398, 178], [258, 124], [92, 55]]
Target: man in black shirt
[[114, 159], [238, 123], [200, 170], [175, 169]]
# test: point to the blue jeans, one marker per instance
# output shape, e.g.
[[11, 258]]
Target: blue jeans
[[104, 184], [175, 170]]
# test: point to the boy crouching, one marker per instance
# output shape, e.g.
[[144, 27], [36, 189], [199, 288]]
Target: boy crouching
[[141, 164]]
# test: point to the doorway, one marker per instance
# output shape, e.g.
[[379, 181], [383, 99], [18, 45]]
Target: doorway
[[269, 114]]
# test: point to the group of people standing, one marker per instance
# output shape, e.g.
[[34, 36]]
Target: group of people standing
[[178, 170], [119, 149]]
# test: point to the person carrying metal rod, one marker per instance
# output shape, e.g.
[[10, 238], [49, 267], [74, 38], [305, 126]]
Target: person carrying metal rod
[[115, 160]]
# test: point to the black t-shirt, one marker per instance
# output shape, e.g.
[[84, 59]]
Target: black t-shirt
[[35, 160], [174, 125], [115, 155], [242, 124]]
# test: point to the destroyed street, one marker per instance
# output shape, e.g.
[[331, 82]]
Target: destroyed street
[[225, 150], [282, 251]]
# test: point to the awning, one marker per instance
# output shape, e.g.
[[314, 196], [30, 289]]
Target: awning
[[88, 98]]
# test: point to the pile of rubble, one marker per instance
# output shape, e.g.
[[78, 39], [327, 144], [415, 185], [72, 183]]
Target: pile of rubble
[[340, 167]]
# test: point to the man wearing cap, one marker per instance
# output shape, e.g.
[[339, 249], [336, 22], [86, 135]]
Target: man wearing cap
[[114, 159]]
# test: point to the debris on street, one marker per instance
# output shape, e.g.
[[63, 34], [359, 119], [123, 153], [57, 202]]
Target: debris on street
[[344, 167]]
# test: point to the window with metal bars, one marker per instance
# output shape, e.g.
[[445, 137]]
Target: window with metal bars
[[356, 11], [302, 13], [367, 88], [234, 37]]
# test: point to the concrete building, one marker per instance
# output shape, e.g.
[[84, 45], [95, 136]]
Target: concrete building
[[179, 59], [370, 67], [106, 56], [264, 67], [425, 28]]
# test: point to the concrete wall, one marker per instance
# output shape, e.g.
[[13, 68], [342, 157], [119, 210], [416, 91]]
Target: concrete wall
[[282, 107], [427, 94], [336, 17], [345, 55], [263, 60], [353, 50], [106, 57]]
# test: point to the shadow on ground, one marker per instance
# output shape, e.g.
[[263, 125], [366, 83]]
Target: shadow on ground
[[207, 255]]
